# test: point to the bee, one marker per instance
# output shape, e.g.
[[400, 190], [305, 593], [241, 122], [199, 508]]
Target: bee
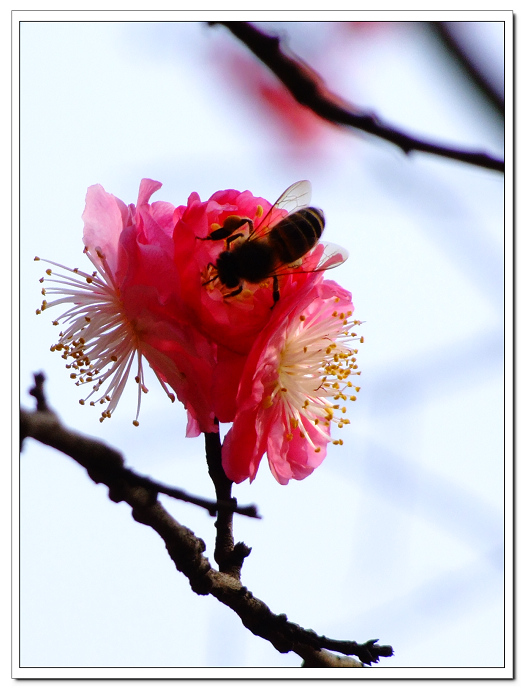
[[270, 250]]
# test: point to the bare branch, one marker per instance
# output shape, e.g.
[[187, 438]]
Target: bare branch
[[308, 88], [229, 555], [105, 465]]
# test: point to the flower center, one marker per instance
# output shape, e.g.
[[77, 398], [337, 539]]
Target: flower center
[[315, 366]]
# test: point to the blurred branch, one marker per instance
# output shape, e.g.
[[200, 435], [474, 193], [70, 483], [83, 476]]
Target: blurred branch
[[454, 48], [308, 88], [105, 465]]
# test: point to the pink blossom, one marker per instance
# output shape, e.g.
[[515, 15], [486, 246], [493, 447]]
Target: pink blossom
[[295, 385], [279, 372], [131, 307]]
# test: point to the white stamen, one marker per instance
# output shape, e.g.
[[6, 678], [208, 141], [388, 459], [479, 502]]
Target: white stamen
[[99, 343]]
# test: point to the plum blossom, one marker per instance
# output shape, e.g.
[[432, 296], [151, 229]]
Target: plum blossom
[[295, 386], [280, 372], [130, 308]]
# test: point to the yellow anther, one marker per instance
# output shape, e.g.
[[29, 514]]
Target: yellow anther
[[267, 402]]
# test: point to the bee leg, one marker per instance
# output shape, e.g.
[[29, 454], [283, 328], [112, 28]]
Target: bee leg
[[234, 293], [276, 295], [229, 231], [231, 238], [209, 267]]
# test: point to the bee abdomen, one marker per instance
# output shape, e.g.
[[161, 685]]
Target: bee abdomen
[[298, 233]]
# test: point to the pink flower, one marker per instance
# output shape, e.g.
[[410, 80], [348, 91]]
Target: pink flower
[[131, 306], [279, 371], [295, 385]]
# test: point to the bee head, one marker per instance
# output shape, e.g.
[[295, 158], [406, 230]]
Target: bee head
[[227, 269]]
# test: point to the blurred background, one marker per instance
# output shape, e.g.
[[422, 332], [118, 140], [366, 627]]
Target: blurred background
[[399, 534]]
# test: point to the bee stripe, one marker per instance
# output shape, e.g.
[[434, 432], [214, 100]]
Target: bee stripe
[[297, 234]]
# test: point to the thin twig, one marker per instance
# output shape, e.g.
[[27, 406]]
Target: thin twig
[[228, 554], [308, 88], [454, 48]]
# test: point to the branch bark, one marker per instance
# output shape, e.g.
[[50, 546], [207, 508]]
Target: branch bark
[[229, 555], [308, 88], [105, 465], [100, 459]]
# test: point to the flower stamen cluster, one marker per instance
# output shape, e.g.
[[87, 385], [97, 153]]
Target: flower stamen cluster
[[313, 374], [100, 343]]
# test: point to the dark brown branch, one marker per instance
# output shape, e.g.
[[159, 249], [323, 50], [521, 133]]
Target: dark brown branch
[[104, 465], [228, 555], [310, 91]]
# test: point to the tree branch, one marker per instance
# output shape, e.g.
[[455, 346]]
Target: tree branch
[[105, 465], [229, 555], [308, 88]]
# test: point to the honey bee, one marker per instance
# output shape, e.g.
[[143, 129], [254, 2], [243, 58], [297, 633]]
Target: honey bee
[[255, 255]]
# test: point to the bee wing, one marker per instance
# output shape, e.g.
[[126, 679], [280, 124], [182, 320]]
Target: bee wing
[[323, 257], [295, 197], [332, 256]]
